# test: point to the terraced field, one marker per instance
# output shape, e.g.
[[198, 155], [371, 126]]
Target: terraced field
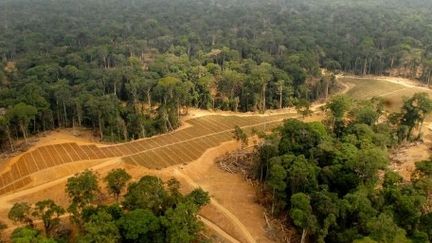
[[182, 146]]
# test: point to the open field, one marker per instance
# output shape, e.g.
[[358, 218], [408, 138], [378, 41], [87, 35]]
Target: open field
[[393, 92], [367, 88], [179, 147]]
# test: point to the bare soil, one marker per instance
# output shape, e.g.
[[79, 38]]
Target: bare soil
[[405, 157], [233, 214], [230, 215]]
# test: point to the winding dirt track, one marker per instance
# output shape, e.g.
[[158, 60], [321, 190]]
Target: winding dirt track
[[222, 209]]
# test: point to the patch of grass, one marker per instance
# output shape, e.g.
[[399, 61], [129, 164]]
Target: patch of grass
[[368, 88]]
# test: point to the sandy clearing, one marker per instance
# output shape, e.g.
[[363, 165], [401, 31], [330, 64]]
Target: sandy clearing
[[5, 200], [69, 135], [218, 230], [225, 187], [406, 157], [195, 113], [244, 231], [55, 190]]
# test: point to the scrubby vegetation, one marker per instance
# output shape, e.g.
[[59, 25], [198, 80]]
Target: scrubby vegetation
[[150, 211], [332, 179]]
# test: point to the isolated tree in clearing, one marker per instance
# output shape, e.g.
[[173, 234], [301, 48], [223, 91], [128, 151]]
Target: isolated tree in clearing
[[21, 213], [116, 181], [49, 212]]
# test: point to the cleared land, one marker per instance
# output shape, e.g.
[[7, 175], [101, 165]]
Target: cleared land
[[393, 91], [41, 172], [182, 146]]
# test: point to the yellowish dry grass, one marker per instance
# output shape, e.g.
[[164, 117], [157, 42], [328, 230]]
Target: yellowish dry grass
[[392, 93]]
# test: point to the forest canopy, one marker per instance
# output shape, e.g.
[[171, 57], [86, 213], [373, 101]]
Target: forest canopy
[[334, 181], [128, 69]]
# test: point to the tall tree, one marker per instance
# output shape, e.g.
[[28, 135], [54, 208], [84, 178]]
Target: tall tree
[[140, 225], [100, 228], [147, 193], [22, 114], [49, 212], [81, 189], [116, 181], [301, 213], [263, 73], [5, 126], [415, 111], [21, 213]]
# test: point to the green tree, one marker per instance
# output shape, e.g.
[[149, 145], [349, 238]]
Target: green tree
[[22, 114], [199, 197], [63, 96], [365, 240], [5, 125], [181, 223], [167, 85], [21, 213], [28, 235], [338, 106], [302, 175], [49, 212], [240, 135], [147, 193], [301, 214], [303, 107], [383, 229], [415, 111], [277, 182], [263, 74], [230, 84], [100, 228], [368, 162], [367, 112], [140, 225], [116, 181], [301, 138], [81, 189]]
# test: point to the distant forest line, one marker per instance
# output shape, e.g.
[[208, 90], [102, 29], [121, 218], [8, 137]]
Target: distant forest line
[[128, 69]]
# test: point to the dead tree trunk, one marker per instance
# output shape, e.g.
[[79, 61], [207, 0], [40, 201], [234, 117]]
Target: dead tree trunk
[[148, 98], [304, 234], [263, 97], [11, 143], [24, 132], [365, 66]]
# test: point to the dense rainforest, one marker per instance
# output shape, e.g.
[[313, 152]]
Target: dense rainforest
[[332, 180], [128, 69]]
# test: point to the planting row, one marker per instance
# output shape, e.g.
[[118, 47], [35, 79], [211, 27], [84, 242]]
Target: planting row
[[181, 146]]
